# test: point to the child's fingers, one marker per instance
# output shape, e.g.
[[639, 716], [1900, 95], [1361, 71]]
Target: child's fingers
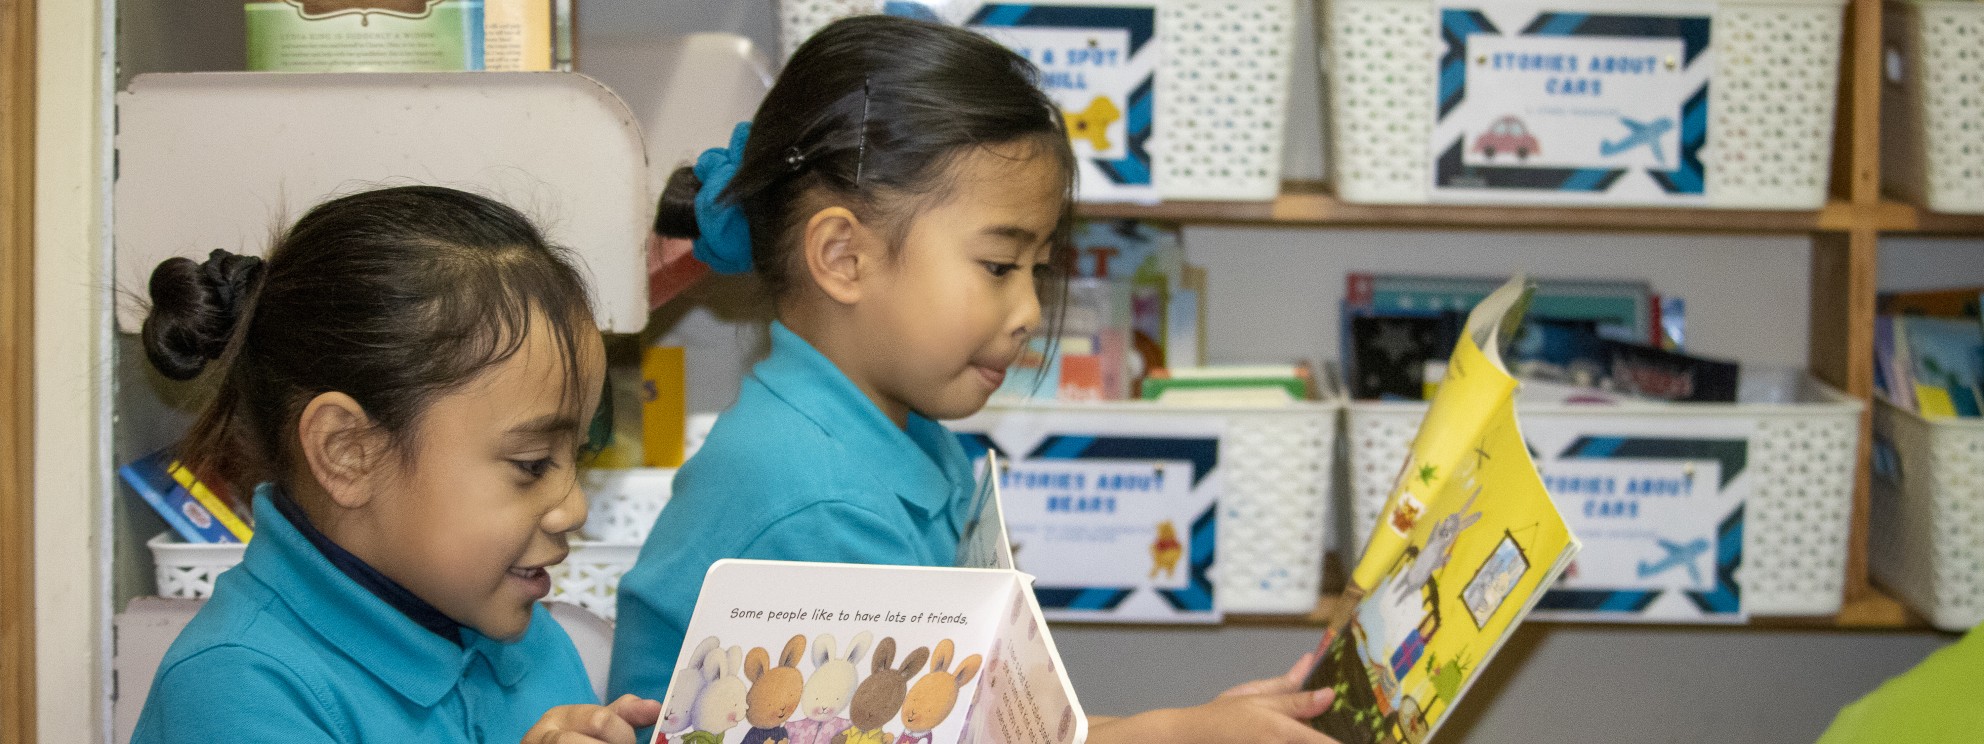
[[580, 724], [638, 712], [1289, 681], [1300, 706]]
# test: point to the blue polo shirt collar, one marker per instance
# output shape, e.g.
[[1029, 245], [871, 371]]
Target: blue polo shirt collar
[[939, 483], [415, 662]]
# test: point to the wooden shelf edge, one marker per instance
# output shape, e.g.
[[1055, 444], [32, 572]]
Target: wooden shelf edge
[[1305, 205]]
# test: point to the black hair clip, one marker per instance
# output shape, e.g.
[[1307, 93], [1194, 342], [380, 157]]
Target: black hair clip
[[794, 159]]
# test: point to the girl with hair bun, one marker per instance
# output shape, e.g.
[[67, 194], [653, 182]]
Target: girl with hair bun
[[405, 383], [905, 192]]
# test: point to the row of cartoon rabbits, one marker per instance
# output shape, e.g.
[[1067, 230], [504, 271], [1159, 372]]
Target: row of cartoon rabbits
[[709, 699]]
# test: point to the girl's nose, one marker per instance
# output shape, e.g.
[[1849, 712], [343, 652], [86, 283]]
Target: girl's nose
[[570, 513]]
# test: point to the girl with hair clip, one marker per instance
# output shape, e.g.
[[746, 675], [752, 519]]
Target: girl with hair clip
[[905, 193], [405, 382]]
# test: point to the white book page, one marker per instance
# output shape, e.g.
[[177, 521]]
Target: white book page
[[1025, 696], [900, 616], [985, 544]]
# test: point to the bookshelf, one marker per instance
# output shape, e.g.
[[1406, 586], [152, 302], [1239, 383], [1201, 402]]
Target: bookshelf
[[1845, 234]]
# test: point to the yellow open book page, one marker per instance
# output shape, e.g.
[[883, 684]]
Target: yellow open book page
[[1468, 542]]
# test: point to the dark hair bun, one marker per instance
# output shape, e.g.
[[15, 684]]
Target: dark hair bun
[[675, 216], [194, 310]]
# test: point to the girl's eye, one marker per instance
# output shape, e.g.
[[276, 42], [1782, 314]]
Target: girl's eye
[[533, 468], [1001, 269]]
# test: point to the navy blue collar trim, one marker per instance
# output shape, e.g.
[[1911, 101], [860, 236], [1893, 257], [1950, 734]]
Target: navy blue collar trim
[[414, 608]]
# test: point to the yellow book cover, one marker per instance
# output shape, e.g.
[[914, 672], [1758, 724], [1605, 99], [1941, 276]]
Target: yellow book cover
[[516, 35], [1466, 544], [222, 511]]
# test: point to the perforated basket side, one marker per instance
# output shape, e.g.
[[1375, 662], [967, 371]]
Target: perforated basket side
[[1926, 533], [1274, 514], [1771, 105], [1933, 113], [1378, 58], [1796, 514], [1795, 521], [1222, 97], [188, 570], [590, 576], [799, 19]]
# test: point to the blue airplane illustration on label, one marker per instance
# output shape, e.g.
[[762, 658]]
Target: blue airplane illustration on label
[[1639, 133], [1677, 555]]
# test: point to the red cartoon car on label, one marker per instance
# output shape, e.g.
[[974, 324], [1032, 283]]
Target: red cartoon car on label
[[1507, 134]]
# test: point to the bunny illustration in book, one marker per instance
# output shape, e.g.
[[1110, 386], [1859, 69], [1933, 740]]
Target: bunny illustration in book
[[880, 696], [774, 692], [934, 696], [1439, 547], [721, 706], [828, 691], [680, 707]]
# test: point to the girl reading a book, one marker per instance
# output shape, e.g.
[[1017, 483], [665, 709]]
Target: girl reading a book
[[905, 194], [408, 378]]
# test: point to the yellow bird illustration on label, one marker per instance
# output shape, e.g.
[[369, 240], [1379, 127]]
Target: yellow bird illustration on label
[[1092, 124]]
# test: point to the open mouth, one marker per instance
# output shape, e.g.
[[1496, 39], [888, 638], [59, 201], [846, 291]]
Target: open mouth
[[536, 581]]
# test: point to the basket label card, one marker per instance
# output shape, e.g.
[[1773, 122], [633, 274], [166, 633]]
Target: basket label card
[[1571, 106], [1658, 504]]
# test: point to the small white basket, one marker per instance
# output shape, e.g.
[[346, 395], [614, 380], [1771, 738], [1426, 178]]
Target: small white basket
[[1771, 102], [589, 577], [1222, 90], [1932, 109], [1274, 509], [1796, 515], [1926, 531], [625, 502]]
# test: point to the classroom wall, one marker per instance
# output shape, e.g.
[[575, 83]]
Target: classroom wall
[[1273, 297]]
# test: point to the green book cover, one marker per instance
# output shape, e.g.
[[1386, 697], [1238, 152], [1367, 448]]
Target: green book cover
[[364, 35]]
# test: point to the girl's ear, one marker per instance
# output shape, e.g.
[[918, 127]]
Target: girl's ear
[[837, 253], [338, 441]]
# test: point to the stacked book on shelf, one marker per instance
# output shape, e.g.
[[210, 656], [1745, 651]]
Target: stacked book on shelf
[[1610, 337], [1929, 352]]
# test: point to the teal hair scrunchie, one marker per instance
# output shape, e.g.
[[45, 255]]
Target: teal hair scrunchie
[[724, 238]]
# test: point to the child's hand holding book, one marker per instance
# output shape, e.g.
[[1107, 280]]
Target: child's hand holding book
[[1270, 710], [613, 723]]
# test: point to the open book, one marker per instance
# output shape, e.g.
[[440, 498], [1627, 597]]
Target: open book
[[828, 653], [1466, 544]]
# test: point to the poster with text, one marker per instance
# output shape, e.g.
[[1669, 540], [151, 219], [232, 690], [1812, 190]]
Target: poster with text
[[1114, 512], [1658, 504], [1571, 104], [1098, 60]]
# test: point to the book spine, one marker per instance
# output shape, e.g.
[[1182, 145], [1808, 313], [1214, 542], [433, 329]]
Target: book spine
[[221, 510]]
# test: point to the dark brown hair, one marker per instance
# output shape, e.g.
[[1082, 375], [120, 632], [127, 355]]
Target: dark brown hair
[[870, 114], [391, 296]]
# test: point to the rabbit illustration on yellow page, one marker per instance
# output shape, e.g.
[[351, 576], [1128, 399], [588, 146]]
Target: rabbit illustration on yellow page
[[880, 696], [934, 696], [828, 691], [774, 692]]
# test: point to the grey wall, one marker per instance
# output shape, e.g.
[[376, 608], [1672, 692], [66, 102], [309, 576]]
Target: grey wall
[[1273, 297]]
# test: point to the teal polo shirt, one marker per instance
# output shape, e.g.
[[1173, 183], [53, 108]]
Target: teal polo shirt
[[291, 649], [804, 467]]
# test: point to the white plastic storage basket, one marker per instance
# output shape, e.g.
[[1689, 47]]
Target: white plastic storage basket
[[1771, 100], [589, 577], [1932, 110], [1802, 444], [1926, 527], [1274, 510], [1222, 90], [624, 503]]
